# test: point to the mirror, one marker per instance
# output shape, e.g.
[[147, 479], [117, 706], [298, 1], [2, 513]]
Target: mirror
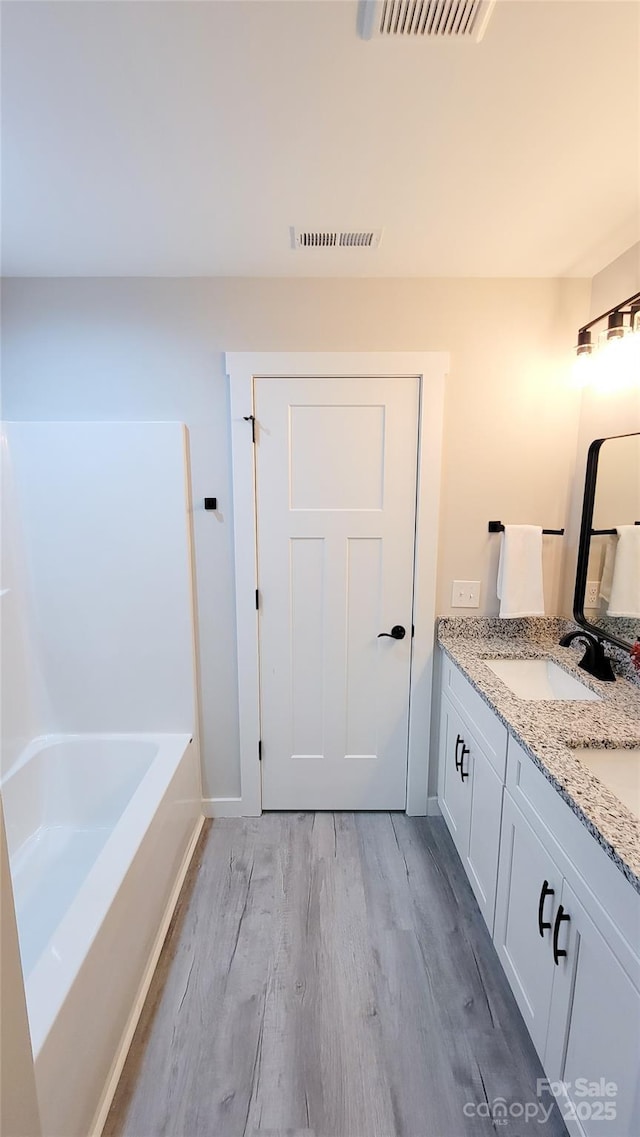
[[607, 596]]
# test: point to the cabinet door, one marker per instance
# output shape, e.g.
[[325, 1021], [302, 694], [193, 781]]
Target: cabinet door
[[484, 833], [454, 791], [528, 894], [594, 1026]]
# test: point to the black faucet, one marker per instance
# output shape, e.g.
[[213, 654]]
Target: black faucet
[[594, 661]]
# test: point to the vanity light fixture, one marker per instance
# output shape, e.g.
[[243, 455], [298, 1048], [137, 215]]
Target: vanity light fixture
[[584, 346], [608, 363], [615, 325]]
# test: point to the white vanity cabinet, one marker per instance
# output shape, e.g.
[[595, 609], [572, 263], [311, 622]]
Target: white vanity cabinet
[[567, 922], [472, 758], [567, 931]]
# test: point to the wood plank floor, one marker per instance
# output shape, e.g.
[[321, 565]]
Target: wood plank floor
[[328, 975]]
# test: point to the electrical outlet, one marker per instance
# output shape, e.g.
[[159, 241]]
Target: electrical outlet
[[465, 594], [592, 594]]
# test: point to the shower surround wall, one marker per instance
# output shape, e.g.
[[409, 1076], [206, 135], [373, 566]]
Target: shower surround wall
[[101, 782], [106, 531], [23, 695]]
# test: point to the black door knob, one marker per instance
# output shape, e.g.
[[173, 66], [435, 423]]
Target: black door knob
[[397, 633]]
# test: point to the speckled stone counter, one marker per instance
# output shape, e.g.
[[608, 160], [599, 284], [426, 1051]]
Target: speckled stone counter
[[548, 729]]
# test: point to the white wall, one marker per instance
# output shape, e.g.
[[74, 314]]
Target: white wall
[[616, 282], [105, 512], [139, 349]]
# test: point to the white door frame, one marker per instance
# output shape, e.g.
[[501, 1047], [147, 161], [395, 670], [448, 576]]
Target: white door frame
[[430, 368]]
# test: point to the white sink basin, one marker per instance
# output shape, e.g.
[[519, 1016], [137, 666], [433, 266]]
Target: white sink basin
[[618, 769], [539, 679]]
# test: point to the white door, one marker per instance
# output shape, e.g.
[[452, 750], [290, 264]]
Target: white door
[[336, 463]]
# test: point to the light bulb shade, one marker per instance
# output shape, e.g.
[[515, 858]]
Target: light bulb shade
[[584, 345], [635, 318], [615, 326]]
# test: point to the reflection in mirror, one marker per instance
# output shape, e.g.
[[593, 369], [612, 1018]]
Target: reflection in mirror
[[612, 596]]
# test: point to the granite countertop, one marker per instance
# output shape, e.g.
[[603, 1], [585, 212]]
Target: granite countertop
[[549, 730]]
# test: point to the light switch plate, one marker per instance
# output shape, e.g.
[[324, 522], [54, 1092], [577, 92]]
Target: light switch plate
[[465, 594]]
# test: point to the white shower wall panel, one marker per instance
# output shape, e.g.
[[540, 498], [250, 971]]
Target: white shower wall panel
[[26, 712], [107, 544]]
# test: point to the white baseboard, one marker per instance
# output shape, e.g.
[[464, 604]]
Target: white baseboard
[[127, 1038], [223, 807], [232, 807]]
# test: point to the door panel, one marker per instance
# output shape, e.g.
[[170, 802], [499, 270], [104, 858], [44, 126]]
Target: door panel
[[307, 633], [484, 832], [336, 464], [356, 481], [594, 1030], [364, 614], [454, 792], [526, 956]]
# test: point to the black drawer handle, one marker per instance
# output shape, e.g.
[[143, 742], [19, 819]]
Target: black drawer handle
[[464, 774], [459, 740], [558, 952], [544, 892]]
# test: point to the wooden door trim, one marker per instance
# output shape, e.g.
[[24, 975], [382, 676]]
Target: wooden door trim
[[430, 368]]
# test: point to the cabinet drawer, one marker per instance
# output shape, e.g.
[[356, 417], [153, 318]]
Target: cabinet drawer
[[598, 882], [490, 732]]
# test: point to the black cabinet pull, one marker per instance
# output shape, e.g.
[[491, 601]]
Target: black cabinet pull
[[558, 952], [544, 892], [464, 774], [459, 740]]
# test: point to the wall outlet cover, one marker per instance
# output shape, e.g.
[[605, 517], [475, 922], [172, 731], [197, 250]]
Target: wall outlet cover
[[592, 594], [465, 594]]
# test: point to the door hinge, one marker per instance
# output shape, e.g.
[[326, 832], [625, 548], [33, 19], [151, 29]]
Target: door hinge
[[259, 750], [257, 599], [413, 630], [252, 420]]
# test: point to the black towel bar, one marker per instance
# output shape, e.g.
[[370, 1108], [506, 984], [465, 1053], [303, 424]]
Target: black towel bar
[[607, 532], [498, 527]]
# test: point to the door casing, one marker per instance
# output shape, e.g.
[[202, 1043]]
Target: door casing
[[430, 368]]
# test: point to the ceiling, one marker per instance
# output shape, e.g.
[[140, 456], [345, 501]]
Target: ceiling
[[185, 139]]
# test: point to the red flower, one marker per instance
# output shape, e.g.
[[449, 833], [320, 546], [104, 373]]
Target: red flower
[[635, 655]]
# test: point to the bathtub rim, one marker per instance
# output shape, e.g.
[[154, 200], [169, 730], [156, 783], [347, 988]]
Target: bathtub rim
[[44, 741], [51, 978]]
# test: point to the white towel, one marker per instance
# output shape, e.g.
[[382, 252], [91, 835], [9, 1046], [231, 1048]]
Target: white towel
[[607, 568], [520, 572], [625, 585]]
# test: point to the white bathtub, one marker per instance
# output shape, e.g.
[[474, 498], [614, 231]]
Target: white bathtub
[[100, 830]]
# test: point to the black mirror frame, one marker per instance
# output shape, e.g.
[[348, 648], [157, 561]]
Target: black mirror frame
[[585, 543]]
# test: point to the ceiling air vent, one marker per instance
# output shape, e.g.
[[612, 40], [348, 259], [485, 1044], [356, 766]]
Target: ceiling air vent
[[335, 238], [433, 19]]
